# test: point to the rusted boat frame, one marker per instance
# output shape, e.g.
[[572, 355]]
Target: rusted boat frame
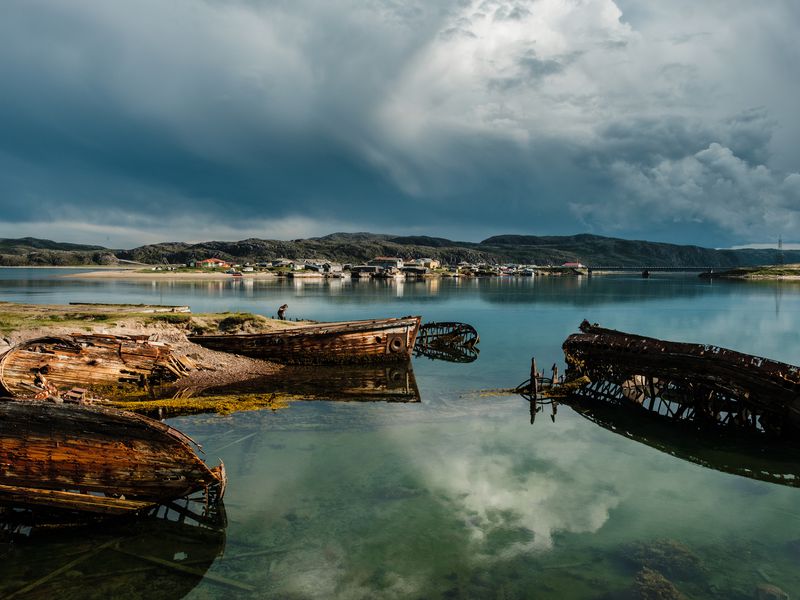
[[346, 342], [704, 384], [448, 341], [96, 460]]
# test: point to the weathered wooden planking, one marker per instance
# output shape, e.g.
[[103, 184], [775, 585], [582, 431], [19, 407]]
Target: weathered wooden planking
[[371, 341], [73, 501], [84, 360], [87, 449]]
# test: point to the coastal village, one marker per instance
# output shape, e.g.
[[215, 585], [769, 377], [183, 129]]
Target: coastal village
[[380, 267]]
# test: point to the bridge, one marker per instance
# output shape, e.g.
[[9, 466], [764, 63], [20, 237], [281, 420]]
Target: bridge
[[646, 271], [654, 269]]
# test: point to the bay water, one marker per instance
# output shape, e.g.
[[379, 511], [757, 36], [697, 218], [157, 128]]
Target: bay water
[[458, 496]]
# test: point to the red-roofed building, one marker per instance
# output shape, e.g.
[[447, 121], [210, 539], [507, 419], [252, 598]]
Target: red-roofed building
[[210, 263]]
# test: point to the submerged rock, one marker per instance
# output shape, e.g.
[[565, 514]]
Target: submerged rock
[[670, 557], [652, 585], [766, 591]]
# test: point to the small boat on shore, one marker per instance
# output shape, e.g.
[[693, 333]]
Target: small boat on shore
[[88, 459], [346, 342]]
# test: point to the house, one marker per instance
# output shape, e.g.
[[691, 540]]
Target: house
[[573, 265], [428, 263], [387, 262], [332, 268], [210, 263], [364, 270]]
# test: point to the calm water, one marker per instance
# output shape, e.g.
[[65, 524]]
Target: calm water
[[459, 496]]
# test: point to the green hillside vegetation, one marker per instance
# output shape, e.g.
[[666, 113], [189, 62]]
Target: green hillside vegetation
[[357, 248]]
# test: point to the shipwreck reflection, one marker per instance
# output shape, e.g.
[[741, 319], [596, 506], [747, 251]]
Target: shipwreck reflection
[[154, 558], [388, 383], [369, 383], [746, 456]]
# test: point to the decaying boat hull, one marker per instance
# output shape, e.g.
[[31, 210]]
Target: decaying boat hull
[[686, 381], [349, 342], [51, 365], [93, 459]]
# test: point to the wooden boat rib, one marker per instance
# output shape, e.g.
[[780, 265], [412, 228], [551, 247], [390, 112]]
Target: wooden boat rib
[[369, 341], [684, 380], [49, 365], [93, 459]]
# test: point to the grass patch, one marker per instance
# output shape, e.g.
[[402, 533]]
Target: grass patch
[[172, 318], [222, 405], [19, 317], [237, 321]]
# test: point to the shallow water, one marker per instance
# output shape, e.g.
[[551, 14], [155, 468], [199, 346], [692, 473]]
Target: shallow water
[[458, 496]]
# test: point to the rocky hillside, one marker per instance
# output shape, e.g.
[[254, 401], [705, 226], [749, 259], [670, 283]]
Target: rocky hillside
[[36, 252], [359, 247]]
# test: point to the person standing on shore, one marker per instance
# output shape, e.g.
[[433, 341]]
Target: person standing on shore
[[282, 312]]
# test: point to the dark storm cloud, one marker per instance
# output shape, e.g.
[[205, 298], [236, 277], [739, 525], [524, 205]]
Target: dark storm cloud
[[196, 118]]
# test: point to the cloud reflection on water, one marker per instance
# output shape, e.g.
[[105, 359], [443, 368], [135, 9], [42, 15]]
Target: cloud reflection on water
[[497, 486]]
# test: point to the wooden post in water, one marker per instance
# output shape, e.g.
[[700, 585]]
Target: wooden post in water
[[534, 384]]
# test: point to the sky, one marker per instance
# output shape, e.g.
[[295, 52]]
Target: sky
[[124, 123]]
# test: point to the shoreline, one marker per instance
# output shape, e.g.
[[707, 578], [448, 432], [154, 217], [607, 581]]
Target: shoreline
[[165, 275]]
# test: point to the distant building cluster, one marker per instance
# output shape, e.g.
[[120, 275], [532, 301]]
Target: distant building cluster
[[382, 267]]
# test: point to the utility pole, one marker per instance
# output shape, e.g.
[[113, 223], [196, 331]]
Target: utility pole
[[780, 250]]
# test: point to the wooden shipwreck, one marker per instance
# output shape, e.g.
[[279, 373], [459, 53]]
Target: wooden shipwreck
[[371, 341], [686, 382], [95, 460], [48, 366]]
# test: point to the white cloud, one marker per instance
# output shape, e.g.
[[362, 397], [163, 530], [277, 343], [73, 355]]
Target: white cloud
[[295, 108], [711, 186]]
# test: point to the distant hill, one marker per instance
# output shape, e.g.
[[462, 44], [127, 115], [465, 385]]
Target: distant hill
[[593, 250], [39, 244], [37, 252]]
